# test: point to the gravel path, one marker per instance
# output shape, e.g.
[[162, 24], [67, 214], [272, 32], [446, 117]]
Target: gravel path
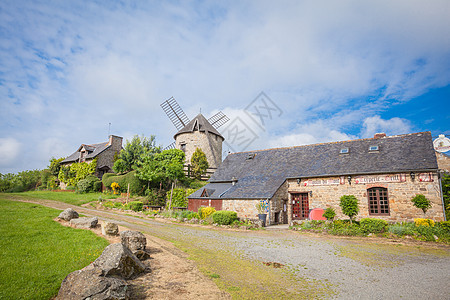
[[356, 268]]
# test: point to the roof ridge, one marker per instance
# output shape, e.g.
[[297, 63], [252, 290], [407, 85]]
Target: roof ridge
[[329, 143]]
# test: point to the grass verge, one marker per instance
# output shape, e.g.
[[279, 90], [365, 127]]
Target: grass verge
[[37, 253], [66, 197]]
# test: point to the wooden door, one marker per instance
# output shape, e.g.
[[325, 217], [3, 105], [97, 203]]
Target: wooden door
[[300, 206]]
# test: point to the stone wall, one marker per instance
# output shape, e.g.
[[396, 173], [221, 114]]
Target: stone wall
[[278, 214], [210, 144], [244, 208], [106, 158], [399, 195], [443, 162]]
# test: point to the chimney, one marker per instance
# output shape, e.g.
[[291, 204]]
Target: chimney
[[115, 141], [379, 135]]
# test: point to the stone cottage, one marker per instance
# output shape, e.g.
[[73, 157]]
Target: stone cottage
[[383, 172], [104, 152]]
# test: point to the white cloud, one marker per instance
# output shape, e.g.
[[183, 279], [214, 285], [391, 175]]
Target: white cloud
[[9, 151], [392, 126]]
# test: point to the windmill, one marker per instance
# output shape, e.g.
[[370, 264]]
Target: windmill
[[211, 143]]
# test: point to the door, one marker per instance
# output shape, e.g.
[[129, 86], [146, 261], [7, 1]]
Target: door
[[300, 206]]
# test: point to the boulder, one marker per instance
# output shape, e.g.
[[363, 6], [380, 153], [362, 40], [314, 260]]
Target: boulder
[[68, 214], [133, 240], [109, 228], [118, 260], [84, 222], [89, 283]]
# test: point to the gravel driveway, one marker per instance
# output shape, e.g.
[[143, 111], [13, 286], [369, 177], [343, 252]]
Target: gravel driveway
[[354, 268]]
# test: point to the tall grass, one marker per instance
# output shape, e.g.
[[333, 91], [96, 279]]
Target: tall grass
[[37, 253]]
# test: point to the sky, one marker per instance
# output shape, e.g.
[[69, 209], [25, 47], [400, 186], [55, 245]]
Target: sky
[[285, 72]]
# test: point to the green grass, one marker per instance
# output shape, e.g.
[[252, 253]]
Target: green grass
[[37, 253], [66, 197]]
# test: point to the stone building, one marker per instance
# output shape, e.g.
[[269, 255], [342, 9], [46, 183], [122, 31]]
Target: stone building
[[384, 173], [199, 133], [104, 152]]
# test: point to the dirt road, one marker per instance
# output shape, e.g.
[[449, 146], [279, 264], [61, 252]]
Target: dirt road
[[286, 264]]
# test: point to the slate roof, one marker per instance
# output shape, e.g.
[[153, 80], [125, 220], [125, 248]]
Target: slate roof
[[261, 176], [199, 123], [95, 148]]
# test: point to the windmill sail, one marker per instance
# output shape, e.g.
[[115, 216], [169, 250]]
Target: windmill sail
[[218, 119], [171, 146], [175, 113]]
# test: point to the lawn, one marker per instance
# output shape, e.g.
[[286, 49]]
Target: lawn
[[37, 253], [66, 197]]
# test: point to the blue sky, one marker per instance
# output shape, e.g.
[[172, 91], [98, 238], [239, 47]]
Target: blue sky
[[336, 70]]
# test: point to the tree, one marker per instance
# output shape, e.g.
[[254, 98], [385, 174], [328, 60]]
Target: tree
[[133, 152], [199, 163], [162, 167], [55, 165], [349, 205], [420, 201]]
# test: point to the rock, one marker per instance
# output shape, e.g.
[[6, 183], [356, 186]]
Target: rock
[[68, 214], [109, 228], [89, 283], [118, 260], [84, 222], [133, 240], [142, 254]]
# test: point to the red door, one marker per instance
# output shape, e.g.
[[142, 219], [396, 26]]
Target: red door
[[300, 206]]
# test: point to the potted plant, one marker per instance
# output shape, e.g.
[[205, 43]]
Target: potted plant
[[262, 214]]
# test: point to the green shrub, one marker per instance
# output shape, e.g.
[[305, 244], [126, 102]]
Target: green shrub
[[329, 213], [402, 229], [340, 227], [370, 225], [444, 225], [186, 214], [224, 217], [179, 197], [134, 205], [205, 212], [349, 205], [420, 201], [136, 185], [88, 184], [70, 188]]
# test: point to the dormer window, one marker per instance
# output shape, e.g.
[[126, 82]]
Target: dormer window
[[344, 151], [373, 148], [250, 156]]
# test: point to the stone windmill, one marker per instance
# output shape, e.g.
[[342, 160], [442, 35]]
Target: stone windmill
[[196, 133]]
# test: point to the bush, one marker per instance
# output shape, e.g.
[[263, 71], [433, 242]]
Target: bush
[[444, 225], [179, 197], [349, 205], [155, 197], [205, 212], [424, 222], [420, 201], [329, 213], [223, 217], [70, 188], [370, 225], [136, 185], [134, 205], [340, 227], [88, 184], [402, 229]]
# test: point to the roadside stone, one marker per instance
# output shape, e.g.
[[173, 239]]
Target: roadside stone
[[109, 228], [133, 240], [118, 260], [88, 283], [194, 221], [68, 214], [84, 222]]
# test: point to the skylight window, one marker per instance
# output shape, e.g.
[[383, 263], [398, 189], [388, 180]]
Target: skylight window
[[373, 148], [344, 151]]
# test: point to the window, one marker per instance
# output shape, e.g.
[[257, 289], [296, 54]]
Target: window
[[373, 148], [183, 147], [344, 150], [378, 201]]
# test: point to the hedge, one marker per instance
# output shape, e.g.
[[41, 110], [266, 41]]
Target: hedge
[[224, 217], [371, 225], [136, 185]]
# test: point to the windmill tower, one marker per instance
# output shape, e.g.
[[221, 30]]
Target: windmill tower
[[196, 133]]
